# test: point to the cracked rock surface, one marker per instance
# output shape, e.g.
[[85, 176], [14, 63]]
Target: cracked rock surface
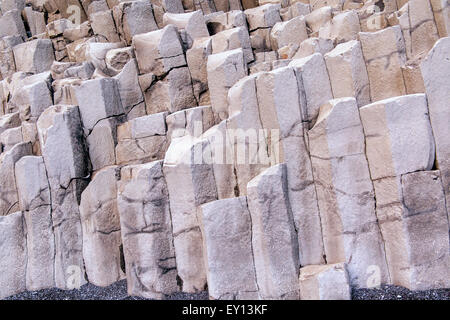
[[224, 149]]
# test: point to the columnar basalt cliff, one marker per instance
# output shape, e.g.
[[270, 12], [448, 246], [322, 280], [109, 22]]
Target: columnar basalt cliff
[[257, 149]]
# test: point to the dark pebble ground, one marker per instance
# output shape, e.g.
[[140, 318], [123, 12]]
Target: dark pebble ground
[[118, 291]]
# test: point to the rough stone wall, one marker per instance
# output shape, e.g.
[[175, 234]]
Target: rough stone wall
[[276, 149]]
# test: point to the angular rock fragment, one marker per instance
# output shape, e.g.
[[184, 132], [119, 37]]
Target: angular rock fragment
[[142, 139], [191, 25], [398, 135], [384, 53], [228, 247], [288, 32], [314, 85], [9, 201], [103, 25], [348, 73], [193, 122], [34, 56], [158, 52], [324, 282], [11, 24], [233, 39], [146, 230], [98, 99], [224, 70], [130, 93], [197, 58], [132, 18]]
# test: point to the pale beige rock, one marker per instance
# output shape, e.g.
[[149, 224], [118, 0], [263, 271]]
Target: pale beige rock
[[101, 228], [345, 192], [142, 139], [13, 255], [228, 247], [192, 23], [8, 121], [384, 53], [324, 282], [102, 24], [398, 134], [10, 137], [65, 156], [116, 59], [245, 132], [413, 78], [35, 21], [34, 56], [130, 93], [190, 183], [197, 58], [159, 51], [172, 93], [132, 18], [9, 201], [288, 32], [342, 28], [436, 71], [412, 215], [34, 200], [8, 66], [441, 11], [98, 99], [233, 39], [313, 45], [274, 238], [11, 24], [279, 109], [419, 30], [193, 122], [314, 85], [102, 142], [348, 73], [318, 18], [224, 69], [219, 21], [264, 16], [143, 204]]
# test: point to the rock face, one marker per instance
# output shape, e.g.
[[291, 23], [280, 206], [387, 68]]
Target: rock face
[[143, 206], [256, 149]]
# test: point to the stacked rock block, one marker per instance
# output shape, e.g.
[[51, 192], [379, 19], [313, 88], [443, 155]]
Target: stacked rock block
[[257, 149]]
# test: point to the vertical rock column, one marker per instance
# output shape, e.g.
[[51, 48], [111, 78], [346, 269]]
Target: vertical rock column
[[191, 183], [274, 239], [436, 73], [399, 144], [280, 112], [35, 202], [101, 228], [143, 204], [228, 249], [65, 156], [345, 192]]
